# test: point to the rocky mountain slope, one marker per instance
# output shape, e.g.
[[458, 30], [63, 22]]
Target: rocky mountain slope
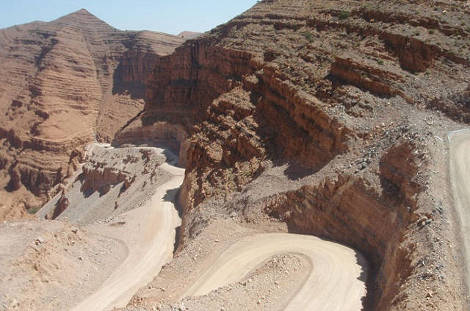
[[352, 102], [327, 118], [64, 84], [113, 228]]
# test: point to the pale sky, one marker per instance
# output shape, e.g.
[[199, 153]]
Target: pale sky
[[157, 15]]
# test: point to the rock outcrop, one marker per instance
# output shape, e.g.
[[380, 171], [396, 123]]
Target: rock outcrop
[[344, 93], [351, 100], [111, 181], [189, 35], [63, 84]]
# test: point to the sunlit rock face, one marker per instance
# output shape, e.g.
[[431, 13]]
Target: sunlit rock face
[[344, 94], [62, 85]]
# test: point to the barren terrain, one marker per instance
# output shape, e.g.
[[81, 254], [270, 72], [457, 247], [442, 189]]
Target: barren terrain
[[332, 118], [140, 235], [303, 155], [64, 84], [53, 265], [459, 165]]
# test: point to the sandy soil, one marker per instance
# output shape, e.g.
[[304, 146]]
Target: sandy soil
[[230, 266], [460, 181], [337, 281], [265, 288], [149, 234], [105, 245], [51, 265], [278, 269]]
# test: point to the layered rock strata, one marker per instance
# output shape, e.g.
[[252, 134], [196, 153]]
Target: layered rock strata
[[64, 84], [349, 95]]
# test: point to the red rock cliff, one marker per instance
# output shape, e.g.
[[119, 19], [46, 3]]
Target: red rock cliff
[[343, 92], [62, 84]]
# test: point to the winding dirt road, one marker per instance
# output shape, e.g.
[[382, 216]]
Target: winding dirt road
[[459, 165], [336, 282], [149, 234]]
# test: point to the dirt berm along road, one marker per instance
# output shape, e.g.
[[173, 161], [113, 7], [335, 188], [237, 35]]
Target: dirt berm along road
[[335, 282], [459, 165]]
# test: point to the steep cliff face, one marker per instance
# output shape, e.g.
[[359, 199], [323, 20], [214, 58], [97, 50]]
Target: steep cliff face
[[62, 84], [344, 93]]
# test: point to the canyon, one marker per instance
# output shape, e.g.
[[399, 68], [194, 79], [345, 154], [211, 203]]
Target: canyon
[[295, 118], [65, 84]]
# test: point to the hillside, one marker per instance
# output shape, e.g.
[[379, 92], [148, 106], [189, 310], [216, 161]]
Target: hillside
[[324, 149], [64, 84], [331, 116]]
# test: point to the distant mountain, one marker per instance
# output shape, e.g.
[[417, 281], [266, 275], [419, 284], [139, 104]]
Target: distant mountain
[[63, 84]]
